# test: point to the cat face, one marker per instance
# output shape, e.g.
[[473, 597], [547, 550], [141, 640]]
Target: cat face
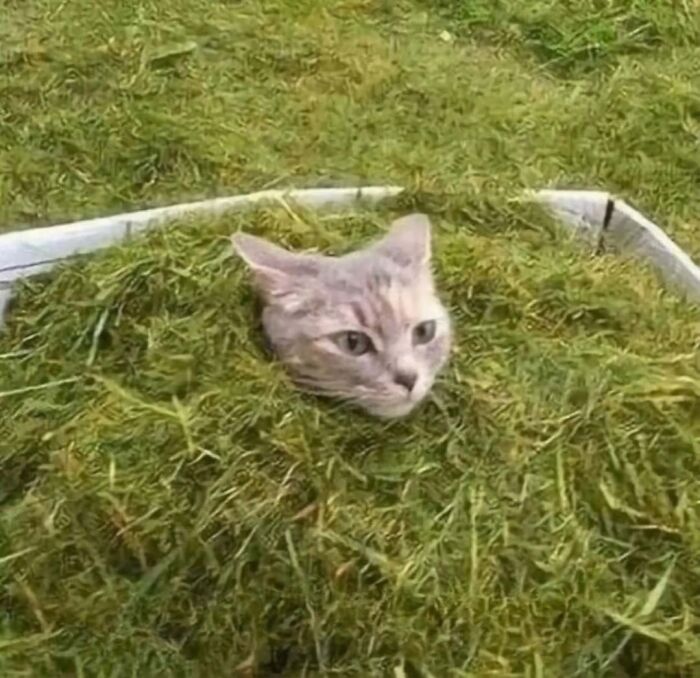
[[366, 327]]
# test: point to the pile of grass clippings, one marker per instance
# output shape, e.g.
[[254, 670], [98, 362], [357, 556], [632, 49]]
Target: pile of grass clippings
[[170, 505]]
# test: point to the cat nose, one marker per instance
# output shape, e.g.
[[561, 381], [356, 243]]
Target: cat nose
[[406, 379]]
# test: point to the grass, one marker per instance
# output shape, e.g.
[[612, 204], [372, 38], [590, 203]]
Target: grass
[[170, 506], [164, 101], [596, 36]]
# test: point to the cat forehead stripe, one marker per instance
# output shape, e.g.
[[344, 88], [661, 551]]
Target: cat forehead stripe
[[359, 312]]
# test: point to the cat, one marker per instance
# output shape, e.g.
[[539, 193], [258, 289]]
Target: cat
[[366, 327]]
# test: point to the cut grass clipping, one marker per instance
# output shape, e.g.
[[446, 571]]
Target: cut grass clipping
[[170, 505]]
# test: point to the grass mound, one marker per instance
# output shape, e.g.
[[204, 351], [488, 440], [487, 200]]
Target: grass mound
[[169, 505]]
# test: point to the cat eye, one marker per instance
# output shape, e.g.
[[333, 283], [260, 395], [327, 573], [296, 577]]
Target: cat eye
[[424, 332], [354, 343]]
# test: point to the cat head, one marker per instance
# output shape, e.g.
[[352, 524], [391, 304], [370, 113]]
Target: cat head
[[366, 327]]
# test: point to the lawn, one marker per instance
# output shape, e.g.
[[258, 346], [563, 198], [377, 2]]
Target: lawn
[[169, 505], [142, 103]]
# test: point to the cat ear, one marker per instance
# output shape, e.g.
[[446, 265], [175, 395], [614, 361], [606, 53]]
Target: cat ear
[[408, 241], [278, 273]]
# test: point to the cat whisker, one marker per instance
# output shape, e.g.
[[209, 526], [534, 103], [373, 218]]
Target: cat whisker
[[318, 387]]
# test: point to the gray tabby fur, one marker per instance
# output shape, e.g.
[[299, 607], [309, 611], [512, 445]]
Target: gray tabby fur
[[383, 291]]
